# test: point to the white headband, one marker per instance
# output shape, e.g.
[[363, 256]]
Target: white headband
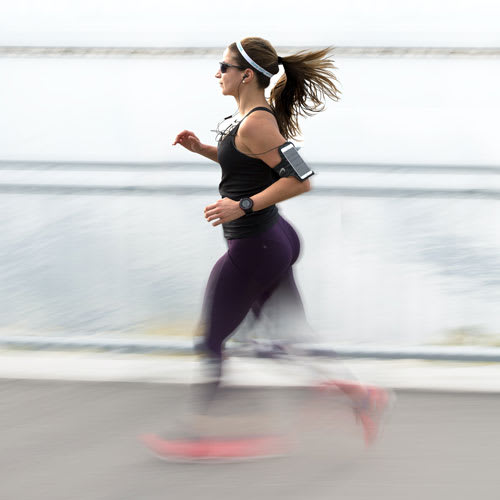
[[251, 61]]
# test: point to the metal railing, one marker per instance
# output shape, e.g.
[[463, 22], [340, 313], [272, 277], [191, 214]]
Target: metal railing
[[390, 181], [184, 346], [199, 52]]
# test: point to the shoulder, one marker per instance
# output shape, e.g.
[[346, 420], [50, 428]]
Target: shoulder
[[260, 130], [258, 121], [259, 136]]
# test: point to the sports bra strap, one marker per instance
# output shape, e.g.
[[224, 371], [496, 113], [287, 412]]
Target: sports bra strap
[[258, 108]]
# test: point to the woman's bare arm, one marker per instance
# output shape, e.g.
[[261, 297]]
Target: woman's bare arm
[[259, 137]]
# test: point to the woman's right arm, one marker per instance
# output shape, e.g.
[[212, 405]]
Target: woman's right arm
[[189, 140]]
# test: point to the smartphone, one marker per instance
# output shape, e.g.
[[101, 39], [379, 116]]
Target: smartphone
[[298, 165]]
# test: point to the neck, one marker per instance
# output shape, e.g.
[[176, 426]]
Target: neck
[[250, 99]]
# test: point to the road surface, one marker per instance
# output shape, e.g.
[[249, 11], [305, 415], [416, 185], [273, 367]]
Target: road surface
[[79, 441]]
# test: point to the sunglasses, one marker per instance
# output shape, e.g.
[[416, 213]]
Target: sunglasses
[[224, 66]]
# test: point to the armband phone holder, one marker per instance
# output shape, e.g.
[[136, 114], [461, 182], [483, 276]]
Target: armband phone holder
[[292, 163]]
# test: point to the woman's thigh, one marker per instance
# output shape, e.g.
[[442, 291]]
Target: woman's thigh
[[265, 257], [249, 269]]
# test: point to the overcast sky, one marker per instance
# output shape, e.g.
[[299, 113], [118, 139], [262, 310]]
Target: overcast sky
[[202, 23]]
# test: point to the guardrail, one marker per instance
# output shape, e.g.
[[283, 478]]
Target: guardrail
[[162, 52], [332, 180], [186, 347]]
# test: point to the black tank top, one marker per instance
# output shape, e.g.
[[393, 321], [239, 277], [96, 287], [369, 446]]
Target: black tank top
[[244, 176]]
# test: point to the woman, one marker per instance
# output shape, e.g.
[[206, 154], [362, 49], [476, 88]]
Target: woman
[[262, 246]]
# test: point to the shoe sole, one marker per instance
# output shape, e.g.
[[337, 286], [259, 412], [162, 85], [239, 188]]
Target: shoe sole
[[154, 443]]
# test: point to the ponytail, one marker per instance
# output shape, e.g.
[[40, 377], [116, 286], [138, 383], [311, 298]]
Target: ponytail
[[302, 89]]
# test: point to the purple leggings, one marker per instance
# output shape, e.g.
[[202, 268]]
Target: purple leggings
[[245, 277]]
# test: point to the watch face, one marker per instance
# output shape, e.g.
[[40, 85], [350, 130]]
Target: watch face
[[246, 203]]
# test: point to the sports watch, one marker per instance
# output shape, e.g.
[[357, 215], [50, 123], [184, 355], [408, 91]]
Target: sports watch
[[246, 204]]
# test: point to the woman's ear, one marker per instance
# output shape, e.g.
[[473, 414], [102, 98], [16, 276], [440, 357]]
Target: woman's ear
[[247, 76]]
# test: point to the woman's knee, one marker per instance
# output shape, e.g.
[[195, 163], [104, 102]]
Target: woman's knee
[[210, 347]]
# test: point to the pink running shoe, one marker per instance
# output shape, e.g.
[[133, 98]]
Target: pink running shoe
[[215, 449], [370, 410], [370, 404]]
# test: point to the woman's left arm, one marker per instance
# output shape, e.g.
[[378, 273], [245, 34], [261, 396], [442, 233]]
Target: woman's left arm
[[258, 133]]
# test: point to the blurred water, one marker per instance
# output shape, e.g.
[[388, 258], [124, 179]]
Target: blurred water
[[376, 269]]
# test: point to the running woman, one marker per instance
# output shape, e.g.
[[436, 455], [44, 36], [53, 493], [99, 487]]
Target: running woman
[[262, 245]]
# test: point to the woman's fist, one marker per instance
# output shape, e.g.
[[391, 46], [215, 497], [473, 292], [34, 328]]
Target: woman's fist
[[222, 211], [189, 140]]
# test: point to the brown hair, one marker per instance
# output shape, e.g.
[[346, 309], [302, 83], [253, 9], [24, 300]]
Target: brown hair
[[301, 90]]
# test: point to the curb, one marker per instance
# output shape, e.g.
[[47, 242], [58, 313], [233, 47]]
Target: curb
[[178, 346], [407, 375]]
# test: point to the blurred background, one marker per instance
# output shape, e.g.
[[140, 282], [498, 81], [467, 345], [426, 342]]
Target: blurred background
[[102, 219]]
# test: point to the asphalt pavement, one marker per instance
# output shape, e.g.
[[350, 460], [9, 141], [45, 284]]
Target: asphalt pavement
[[79, 440]]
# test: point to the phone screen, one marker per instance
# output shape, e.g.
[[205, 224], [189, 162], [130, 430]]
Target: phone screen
[[296, 161]]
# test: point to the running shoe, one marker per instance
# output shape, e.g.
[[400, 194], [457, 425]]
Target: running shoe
[[370, 411], [215, 449], [370, 404]]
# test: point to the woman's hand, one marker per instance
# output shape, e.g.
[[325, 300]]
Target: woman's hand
[[189, 140], [222, 211]]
